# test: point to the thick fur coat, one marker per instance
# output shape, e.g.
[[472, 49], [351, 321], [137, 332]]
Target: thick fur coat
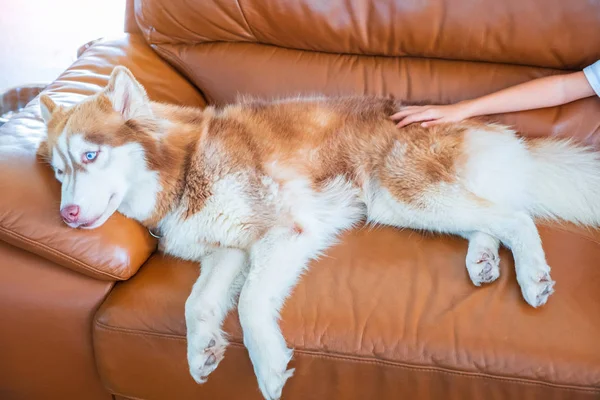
[[255, 190]]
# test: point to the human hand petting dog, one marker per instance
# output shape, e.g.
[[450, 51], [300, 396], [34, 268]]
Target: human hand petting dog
[[431, 115]]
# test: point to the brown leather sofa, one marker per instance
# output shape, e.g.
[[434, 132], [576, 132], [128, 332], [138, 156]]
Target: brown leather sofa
[[387, 314]]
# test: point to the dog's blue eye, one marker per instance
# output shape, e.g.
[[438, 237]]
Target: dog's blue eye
[[90, 155]]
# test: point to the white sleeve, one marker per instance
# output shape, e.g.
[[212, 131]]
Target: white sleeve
[[592, 73]]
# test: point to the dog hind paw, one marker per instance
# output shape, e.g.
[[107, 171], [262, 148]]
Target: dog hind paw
[[483, 265], [536, 285]]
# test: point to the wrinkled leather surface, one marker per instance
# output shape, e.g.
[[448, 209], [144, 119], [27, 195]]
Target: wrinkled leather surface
[[224, 70], [30, 197], [45, 337], [384, 315], [545, 33]]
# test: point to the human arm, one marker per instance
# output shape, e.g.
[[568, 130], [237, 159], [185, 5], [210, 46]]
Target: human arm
[[539, 93]]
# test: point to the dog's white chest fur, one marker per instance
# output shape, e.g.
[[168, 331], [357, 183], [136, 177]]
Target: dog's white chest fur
[[225, 220], [237, 213]]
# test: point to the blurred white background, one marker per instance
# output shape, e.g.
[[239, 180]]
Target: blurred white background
[[40, 38]]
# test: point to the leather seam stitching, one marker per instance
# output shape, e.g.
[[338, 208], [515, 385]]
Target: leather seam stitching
[[360, 360], [58, 253], [123, 396], [137, 332]]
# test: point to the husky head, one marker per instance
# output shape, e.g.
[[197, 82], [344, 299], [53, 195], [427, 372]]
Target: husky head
[[93, 150]]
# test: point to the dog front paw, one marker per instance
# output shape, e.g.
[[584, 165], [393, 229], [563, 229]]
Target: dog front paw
[[270, 367], [205, 352], [271, 385]]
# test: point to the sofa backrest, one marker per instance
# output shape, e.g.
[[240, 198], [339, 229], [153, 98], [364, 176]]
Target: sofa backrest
[[418, 50]]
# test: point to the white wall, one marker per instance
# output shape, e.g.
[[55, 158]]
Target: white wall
[[40, 38]]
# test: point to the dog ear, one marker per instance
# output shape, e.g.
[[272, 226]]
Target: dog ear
[[47, 107], [43, 151], [127, 95]]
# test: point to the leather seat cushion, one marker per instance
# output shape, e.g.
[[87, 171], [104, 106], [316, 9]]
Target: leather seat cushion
[[382, 315]]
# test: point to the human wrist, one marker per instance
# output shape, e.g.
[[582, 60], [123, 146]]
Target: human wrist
[[467, 108]]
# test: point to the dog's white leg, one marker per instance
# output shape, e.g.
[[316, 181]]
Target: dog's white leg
[[483, 261], [213, 295], [453, 211], [276, 263], [518, 231]]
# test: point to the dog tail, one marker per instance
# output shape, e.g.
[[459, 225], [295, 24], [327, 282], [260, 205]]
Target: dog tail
[[566, 181]]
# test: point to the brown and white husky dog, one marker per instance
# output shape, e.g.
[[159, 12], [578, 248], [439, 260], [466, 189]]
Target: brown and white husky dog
[[253, 191]]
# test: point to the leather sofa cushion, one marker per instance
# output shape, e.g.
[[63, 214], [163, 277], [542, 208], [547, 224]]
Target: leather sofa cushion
[[45, 337], [224, 70], [386, 314], [545, 33], [29, 202]]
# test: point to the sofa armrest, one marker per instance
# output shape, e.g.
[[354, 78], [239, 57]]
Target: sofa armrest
[[29, 193]]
